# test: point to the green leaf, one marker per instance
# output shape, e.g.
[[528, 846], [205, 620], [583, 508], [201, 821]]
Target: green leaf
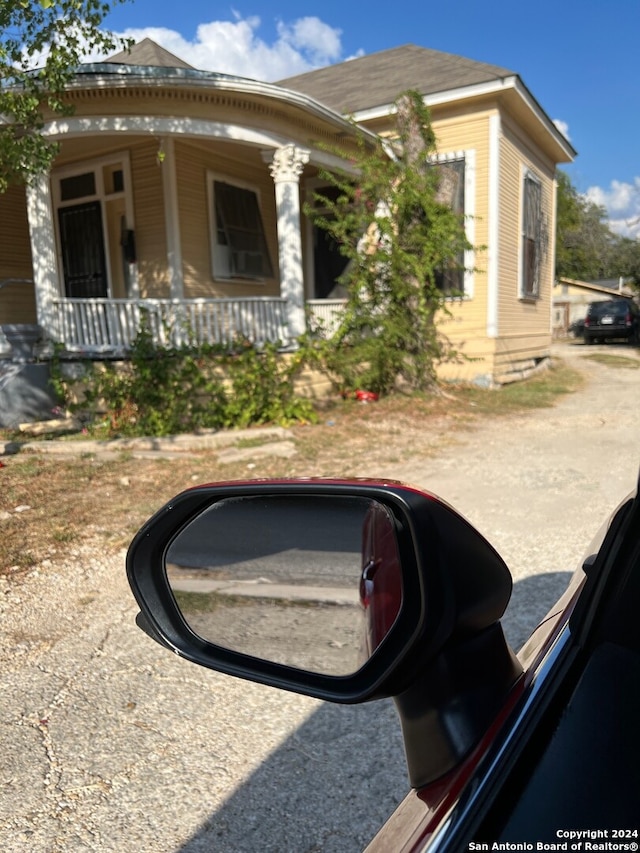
[[65, 31], [385, 216]]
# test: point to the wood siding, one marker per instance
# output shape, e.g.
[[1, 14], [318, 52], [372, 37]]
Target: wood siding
[[149, 206], [17, 301], [466, 327], [194, 163], [524, 325]]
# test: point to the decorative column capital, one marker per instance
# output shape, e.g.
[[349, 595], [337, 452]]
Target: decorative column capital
[[287, 163]]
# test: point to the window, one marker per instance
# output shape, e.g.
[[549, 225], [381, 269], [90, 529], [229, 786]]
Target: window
[[532, 237], [77, 186], [451, 191], [239, 244], [328, 261]]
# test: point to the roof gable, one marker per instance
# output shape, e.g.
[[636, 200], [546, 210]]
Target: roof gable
[[377, 79], [148, 52]]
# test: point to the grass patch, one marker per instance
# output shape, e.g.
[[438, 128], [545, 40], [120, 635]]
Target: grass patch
[[196, 602], [103, 501], [538, 392], [610, 360], [193, 603], [258, 441]]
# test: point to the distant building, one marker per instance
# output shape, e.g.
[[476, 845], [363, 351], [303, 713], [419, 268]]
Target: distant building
[[571, 299]]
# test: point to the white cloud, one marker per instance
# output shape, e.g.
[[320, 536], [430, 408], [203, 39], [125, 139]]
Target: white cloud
[[234, 47], [563, 127], [313, 37], [622, 203]]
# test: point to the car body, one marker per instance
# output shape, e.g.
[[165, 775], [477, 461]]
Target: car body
[[534, 751], [611, 319]]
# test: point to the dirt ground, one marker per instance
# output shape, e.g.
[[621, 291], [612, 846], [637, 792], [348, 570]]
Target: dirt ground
[[110, 743]]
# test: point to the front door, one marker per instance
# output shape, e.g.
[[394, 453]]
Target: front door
[[83, 255]]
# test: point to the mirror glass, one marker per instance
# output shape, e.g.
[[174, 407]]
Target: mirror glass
[[313, 582]]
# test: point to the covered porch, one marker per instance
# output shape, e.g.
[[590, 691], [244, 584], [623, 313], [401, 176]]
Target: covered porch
[[176, 200], [103, 327]]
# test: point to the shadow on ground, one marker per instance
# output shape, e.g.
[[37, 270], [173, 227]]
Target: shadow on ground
[[334, 782]]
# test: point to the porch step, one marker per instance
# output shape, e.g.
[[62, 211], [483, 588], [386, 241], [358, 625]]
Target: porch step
[[22, 338], [25, 393]]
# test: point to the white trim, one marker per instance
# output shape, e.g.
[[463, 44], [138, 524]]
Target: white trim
[[96, 166], [448, 96], [526, 172], [493, 249], [186, 128], [469, 157], [493, 87], [134, 292], [554, 206], [43, 250], [212, 177], [213, 82], [79, 167], [470, 220], [161, 126]]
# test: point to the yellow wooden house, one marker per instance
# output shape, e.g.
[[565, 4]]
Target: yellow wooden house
[[177, 195], [491, 129]]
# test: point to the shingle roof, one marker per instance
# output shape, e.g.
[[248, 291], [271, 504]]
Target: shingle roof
[[147, 52], [378, 78]]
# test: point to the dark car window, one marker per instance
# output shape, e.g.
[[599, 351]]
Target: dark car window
[[617, 309], [586, 774]]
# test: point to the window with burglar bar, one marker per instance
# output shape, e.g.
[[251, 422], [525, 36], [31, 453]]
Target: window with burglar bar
[[239, 243], [450, 279], [532, 238]]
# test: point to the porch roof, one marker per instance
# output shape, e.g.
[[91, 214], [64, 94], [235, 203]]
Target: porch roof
[[111, 75]]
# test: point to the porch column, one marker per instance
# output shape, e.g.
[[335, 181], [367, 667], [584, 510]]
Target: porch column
[[286, 167], [43, 252], [172, 219]]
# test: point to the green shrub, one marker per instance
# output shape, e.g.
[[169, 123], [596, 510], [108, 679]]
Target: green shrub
[[262, 387], [163, 391]]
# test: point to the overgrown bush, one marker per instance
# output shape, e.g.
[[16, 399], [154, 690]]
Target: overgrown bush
[[394, 217], [262, 387], [161, 391]]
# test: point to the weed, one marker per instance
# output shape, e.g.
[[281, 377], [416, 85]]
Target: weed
[[539, 391], [614, 360], [162, 391], [262, 388], [86, 496]]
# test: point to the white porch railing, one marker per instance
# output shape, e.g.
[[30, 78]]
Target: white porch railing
[[326, 313], [111, 325]]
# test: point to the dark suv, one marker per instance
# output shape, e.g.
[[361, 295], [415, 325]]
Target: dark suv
[[615, 318]]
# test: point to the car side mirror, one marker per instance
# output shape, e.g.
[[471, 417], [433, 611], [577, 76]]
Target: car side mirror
[[306, 581], [342, 590]]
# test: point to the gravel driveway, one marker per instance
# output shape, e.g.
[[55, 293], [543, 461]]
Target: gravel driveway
[[109, 743]]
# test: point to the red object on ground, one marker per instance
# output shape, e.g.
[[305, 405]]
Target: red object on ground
[[366, 396]]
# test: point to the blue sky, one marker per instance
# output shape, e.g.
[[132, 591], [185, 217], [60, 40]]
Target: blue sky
[[579, 58]]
